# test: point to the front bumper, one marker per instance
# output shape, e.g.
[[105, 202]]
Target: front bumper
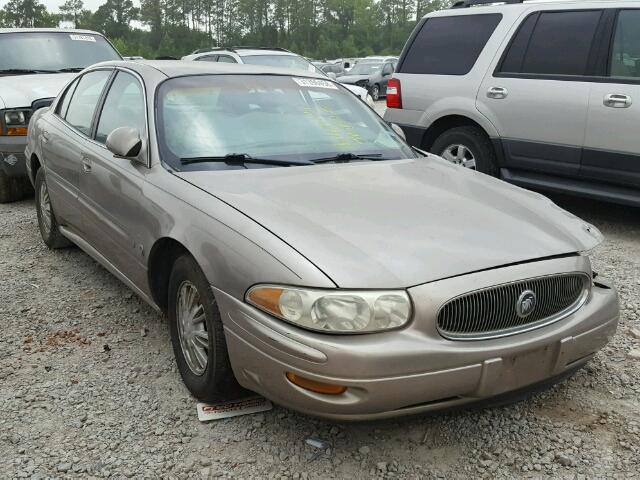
[[414, 369], [12, 158]]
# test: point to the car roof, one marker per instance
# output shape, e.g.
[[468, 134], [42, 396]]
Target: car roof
[[179, 68], [468, 7], [48, 30]]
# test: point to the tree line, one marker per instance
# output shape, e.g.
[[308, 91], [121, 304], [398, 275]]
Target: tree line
[[320, 29]]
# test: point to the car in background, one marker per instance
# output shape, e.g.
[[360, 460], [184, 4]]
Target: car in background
[[330, 68], [545, 95], [300, 248], [272, 57], [35, 63], [378, 59], [373, 76]]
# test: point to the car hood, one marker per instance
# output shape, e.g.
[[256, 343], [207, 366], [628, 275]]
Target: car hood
[[395, 224], [351, 79], [22, 90], [359, 91]]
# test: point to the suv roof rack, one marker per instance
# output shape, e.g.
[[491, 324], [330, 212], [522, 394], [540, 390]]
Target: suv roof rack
[[472, 3]]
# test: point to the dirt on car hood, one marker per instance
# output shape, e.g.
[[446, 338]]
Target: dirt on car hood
[[392, 224]]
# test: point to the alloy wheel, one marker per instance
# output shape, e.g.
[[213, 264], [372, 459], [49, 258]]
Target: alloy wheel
[[192, 328], [460, 155], [45, 208]]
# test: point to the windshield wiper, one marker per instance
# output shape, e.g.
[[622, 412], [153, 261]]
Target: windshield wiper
[[347, 157], [242, 159], [18, 71], [70, 69]]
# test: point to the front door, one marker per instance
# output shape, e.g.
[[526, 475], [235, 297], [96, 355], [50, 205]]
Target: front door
[[111, 189], [612, 145]]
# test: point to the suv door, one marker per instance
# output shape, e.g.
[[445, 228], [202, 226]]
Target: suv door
[[112, 188], [537, 94], [612, 144], [63, 141]]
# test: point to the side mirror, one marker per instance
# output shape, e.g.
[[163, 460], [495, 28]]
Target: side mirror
[[346, 65], [124, 142], [398, 130], [331, 75]]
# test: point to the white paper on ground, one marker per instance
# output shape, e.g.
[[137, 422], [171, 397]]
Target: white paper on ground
[[234, 408]]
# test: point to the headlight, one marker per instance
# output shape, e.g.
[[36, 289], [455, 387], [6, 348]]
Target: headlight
[[333, 311], [14, 122]]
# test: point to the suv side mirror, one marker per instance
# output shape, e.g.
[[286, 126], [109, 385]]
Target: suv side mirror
[[124, 142]]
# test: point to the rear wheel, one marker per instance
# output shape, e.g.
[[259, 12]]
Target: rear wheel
[[47, 222], [197, 334], [469, 147], [375, 92]]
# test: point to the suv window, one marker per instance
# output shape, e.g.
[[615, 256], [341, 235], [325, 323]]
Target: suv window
[[449, 45], [84, 100], [207, 58], [625, 55], [226, 59], [553, 43], [123, 107]]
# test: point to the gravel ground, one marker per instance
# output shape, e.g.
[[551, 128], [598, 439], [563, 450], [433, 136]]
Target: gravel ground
[[89, 389]]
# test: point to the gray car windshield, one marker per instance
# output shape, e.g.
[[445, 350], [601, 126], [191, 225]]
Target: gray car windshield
[[44, 52], [283, 118], [365, 68]]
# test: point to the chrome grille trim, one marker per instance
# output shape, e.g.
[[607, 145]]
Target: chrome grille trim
[[491, 312]]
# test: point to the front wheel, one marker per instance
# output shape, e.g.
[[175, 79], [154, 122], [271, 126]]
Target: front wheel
[[197, 334], [468, 147], [375, 92]]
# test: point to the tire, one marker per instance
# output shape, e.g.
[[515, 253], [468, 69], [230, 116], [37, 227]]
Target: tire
[[47, 223], [214, 381], [375, 92], [13, 189], [467, 146]]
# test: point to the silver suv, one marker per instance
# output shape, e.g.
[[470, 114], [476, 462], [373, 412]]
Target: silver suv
[[543, 95]]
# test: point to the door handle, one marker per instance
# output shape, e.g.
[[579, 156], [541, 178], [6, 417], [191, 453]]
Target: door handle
[[86, 165], [615, 100], [497, 93]]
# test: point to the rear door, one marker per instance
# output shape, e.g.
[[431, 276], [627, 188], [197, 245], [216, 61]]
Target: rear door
[[64, 139], [537, 93], [612, 145], [111, 189]]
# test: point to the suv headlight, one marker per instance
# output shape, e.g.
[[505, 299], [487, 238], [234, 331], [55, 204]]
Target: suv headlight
[[333, 311], [14, 122]]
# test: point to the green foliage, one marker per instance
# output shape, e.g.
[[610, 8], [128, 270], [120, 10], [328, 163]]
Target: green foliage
[[321, 29]]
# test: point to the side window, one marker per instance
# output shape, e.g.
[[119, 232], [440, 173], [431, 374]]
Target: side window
[[449, 45], [226, 59], [625, 55], [553, 43], [207, 58], [123, 107], [387, 70], [85, 98], [63, 105]]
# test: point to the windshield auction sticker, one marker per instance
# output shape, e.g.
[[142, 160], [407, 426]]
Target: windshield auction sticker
[[243, 406], [314, 83], [82, 38]]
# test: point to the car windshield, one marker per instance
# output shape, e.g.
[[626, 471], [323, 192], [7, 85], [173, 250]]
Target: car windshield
[[284, 61], [284, 118], [52, 51], [365, 68]]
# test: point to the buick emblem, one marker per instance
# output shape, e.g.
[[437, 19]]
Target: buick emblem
[[526, 303]]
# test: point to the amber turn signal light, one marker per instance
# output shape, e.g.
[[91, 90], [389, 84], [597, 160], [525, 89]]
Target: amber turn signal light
[[17, 131], [314, 386]]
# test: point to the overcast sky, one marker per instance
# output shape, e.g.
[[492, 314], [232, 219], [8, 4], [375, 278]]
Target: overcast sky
[[52, 5]]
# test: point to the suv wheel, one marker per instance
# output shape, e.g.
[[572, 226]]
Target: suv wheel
[[375, 92], [47, 222], [197, 334], [469, 147]]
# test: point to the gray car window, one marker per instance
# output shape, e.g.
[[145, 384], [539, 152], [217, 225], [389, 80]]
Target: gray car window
[[226, 59], [123, 107], [62, 107], [625, 58], [207, 58], [84, 100]]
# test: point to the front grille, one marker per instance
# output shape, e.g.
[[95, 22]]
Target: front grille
[[494, 312]]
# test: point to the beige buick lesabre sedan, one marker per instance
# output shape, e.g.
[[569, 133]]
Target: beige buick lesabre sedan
[[301, 249]]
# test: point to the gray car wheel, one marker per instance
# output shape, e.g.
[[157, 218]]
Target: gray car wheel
[[375, 92], [47, 222], [197, 334]]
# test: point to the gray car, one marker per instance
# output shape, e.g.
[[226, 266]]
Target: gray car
[[301, 249], [370, 75]]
